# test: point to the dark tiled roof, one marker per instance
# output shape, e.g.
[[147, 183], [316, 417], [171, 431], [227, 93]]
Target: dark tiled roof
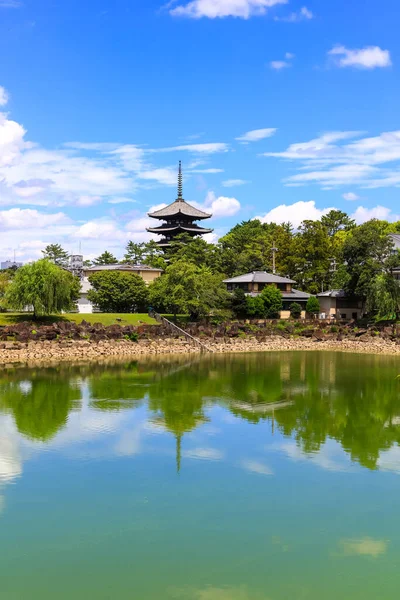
[[118, 267], [179, 207], [295, 295], [190, 229], [259, 277]]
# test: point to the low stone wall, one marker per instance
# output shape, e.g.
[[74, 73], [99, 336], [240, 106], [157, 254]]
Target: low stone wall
[[83, 350]]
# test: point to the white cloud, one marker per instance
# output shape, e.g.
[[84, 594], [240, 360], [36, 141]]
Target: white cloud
[[18, 218], [234, 182], [256, 135], [121, 200], [304, 14], [370, 162], [350, 196], [203, 454], [362, 214], [364, 547], [104, 229], [294, 213], [256, 467], [301, 211], [207, 148], [278, 65], [165, 176], [213, 9], [221, 206], [10, 3], [371, 57], [3, 95]]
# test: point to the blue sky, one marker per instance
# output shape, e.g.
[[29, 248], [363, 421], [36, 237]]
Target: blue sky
[[100, 99]]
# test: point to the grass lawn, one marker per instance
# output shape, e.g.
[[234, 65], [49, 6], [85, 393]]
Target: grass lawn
[[104, 318]]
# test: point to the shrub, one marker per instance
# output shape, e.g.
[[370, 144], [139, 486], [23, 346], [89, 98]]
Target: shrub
[[313, 306], [295, 310], [272, 299]]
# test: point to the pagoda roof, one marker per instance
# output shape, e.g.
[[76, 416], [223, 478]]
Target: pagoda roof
[[168, 229], [179, 207]]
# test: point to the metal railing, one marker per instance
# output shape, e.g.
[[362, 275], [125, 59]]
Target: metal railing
[[180, 331]]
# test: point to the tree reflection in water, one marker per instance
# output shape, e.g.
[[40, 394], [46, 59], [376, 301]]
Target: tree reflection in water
[[312, 397]]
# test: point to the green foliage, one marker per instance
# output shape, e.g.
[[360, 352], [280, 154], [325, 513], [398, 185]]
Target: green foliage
[[384, 296], [368, 253], [334, 329], [272, 299], [255, 307], [134, 253], [133, 336], [313, 306], [56, 254], [295, 310], [337, 220], [5, 281], [239, 303], [44, 286], [118, 292], [188, 288], [105, 259]]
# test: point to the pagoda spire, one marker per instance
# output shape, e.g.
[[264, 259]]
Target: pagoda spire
[[180, 181]]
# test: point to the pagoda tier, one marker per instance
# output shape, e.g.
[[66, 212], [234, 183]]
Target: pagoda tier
[[179, 218]]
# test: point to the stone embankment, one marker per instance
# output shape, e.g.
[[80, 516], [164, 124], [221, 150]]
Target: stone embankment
[[66, 341]]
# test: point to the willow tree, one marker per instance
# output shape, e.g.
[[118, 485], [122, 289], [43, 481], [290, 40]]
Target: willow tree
[[43, 286]]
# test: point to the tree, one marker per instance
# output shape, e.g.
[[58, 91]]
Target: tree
[[154, 255], [56, 254], [5, 280], [295, 310], [367, 251], [310, 260], [239, 303], [255, 307], [312, 306], [337, 220], [44, 286], [105, 259], [186, 288], [272, 299], [134, 253], [384, 296], [118, 292]]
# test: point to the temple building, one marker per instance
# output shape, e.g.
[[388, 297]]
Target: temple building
[[179, 217]]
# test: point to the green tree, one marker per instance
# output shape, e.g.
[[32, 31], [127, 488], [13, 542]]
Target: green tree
[[56, 254], [45, 287], [6, 277], [118, 292], [295, 310], [186, 288], [337, 220], [310, 260], [105, 259], [313, 306], [134, 253], [239, 303], [255, 307], [384, 296], [272, 299], [154, 255], [368, 252]]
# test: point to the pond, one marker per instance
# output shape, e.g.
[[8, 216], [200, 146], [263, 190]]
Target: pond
[[269, 476]]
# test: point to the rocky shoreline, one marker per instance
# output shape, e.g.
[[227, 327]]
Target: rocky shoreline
[[82, 350]]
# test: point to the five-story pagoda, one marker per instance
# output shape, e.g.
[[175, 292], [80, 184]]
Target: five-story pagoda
[[178, 218]]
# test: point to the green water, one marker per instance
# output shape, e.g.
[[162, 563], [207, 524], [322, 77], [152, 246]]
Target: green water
[[254, 477]]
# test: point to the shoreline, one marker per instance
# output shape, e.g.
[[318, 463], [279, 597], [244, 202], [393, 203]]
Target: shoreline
[[33, 353]]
